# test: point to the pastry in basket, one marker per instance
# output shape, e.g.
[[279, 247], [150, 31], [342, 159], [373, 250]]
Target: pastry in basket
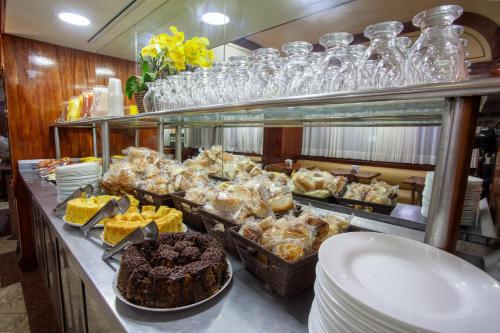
[[80, 210], [292, 238], [118, 227], [317, 183]]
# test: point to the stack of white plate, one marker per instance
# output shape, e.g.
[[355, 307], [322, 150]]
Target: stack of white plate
[[373, 282], [71, 177], [471, 200]]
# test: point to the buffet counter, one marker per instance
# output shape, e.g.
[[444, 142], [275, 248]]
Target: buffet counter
[[80, 283]]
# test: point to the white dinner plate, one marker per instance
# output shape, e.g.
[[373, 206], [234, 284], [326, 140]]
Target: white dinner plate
[[80, 225], [184, 229], [180, 308], [412, 283]]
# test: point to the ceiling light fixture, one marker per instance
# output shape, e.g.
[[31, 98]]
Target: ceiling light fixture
[[72, 18], [215, 18]]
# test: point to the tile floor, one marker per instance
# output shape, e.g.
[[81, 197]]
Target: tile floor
[[13, 314]]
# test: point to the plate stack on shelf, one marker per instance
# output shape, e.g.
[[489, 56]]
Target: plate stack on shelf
[[70, 177], [373, 282], [471, 200]]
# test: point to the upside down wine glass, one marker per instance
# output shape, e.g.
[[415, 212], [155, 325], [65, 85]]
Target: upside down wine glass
[[382, 65], [437, 55]]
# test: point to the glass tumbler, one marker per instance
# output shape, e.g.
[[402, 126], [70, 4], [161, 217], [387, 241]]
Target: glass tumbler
[[437, 55], [338, 71], [297, 71], [382, 65]]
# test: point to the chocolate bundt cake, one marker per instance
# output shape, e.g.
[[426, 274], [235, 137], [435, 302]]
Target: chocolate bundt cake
[[179, 269]]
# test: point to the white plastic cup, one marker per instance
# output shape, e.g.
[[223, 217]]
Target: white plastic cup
[[288, 163], [115, 97]]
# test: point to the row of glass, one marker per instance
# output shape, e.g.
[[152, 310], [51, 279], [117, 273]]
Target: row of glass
[[389, 61]]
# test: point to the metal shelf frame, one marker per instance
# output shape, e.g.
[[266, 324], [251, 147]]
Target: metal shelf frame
[[454, 106]]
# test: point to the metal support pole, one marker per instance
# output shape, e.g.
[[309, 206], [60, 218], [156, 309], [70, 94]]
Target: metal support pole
[[57, 143], [94, 140], [451, 172], [106, 158], [161, 137], [137, 138], [178, 143]]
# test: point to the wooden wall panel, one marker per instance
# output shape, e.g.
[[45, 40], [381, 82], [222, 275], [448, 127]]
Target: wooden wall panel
[[39, 77]]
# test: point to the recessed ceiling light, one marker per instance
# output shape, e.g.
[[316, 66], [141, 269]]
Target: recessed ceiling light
[[215, 18], [72, 18]]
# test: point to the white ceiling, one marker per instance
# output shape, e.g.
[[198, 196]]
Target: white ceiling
[[291, 19], [37, 19]]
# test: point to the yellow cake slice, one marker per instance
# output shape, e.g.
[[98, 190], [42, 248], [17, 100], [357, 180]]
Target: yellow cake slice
[[80, 210], [118, 227]]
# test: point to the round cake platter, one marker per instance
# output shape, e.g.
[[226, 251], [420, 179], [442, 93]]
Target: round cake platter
[[184, 229], [80, 225], [180, 308]]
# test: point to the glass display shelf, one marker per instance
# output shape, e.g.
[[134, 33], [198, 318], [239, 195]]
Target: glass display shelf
[[407, 106]]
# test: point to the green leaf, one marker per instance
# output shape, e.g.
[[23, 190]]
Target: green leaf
[[133, 85], [149, 77]]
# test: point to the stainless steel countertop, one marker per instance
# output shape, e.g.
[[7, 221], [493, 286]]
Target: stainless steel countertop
[[245, 306]]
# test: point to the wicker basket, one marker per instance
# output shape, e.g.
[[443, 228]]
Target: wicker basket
[[118, 190], [282, 277], [210, 220], [139, 100], [189, 210], [150, 198]]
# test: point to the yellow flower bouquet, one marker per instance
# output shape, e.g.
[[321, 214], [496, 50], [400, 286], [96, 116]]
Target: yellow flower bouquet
[[168, 55]]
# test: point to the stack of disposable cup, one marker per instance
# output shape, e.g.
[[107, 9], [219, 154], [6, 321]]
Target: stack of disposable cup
[[115, 97]]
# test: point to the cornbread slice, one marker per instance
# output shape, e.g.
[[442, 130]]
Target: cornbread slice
[[80, 210], [119, 226]]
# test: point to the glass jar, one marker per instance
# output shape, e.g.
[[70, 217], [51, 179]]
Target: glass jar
[[438, 54], [382, 65], [338, 71], [265, 83], [297, 72]]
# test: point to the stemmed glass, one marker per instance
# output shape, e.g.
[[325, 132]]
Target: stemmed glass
[[240, 79], [437, 55], [338, 72], [297, 71], [382, 65], [266, 80]]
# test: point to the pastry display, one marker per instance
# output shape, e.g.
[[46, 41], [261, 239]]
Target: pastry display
[[317, 183], [378, 192], [292, 238], [177, 270], [118, 227], [222, 164], [80, 210], [257, 197]]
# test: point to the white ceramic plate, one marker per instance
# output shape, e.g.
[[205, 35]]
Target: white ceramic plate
[[412, 283], [80, 225], [184, 229], [180, 308]]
